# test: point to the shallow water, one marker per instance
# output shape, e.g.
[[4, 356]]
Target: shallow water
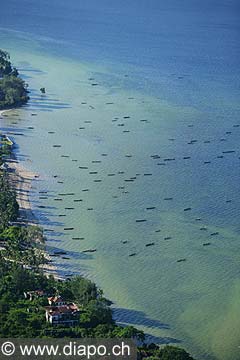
[[193, 302]]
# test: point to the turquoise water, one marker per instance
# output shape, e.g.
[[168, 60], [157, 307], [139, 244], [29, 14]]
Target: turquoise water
[[191, 104]]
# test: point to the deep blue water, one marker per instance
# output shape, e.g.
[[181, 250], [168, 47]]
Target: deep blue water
[[198, 40], [185, 52]]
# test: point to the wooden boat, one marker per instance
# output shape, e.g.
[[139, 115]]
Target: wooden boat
[[150, 244]]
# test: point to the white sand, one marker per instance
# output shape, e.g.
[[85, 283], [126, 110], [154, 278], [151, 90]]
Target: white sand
[[22, 182], [3, 111], [21, 179]]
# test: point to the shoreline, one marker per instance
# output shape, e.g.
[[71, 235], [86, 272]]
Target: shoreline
[[21, 179], [3, 111]]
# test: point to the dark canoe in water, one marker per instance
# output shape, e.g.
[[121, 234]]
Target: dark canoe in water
[[89, 250], [60, 253]]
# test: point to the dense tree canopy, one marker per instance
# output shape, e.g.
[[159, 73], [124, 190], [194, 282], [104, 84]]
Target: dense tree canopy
[[13, 90], [5, 64], [165, 353], [8, 203]]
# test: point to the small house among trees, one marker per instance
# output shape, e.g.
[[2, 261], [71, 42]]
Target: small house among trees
[[65, 314]]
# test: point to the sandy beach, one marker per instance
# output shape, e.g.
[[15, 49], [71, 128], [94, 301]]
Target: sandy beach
[[3, 111], [22, 182], [21, 179]]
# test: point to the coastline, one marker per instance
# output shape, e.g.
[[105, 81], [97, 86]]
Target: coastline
[[21, 179], [3, 111], [22, 183]]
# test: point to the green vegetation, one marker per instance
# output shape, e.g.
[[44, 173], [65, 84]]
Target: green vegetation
[[152, 352], [25, 318], [13, 90], [20, 272], [24, 245], [5, 148], [21, 260], [8, 202]]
